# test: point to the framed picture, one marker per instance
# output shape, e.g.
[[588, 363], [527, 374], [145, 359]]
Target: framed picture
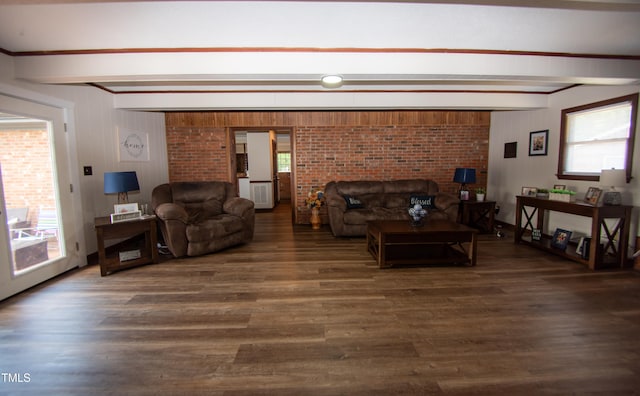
[[538, 142], [510, 149], [529, 191], [132, 146], [593, 195], [561, 238], [559, 186], [125, 208]]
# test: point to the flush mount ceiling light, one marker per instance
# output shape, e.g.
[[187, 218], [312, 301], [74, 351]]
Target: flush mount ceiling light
[[331, 80]]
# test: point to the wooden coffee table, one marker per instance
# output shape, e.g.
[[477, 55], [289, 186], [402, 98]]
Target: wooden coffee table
[[396, 242]]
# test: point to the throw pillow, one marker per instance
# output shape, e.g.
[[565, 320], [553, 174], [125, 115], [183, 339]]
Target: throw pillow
[[426, 201], [353, 202]]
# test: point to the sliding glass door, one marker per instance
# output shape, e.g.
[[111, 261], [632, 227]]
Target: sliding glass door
[[37, 236]]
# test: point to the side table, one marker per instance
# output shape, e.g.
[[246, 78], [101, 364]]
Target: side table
[[126, 229], [478, 214]]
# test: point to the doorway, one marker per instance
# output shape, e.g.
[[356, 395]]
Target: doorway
[[272, 164], [35, 210]]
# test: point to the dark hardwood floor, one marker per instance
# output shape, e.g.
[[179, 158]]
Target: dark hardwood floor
[[299, 312]]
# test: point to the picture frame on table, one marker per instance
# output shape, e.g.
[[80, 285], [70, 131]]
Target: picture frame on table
[[559, 186], [593, 195], [529, 191], [125, 208], [538, 142], [561, 238]]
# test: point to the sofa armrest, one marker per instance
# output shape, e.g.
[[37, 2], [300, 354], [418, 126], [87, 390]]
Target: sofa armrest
[[444, 201], [336, 201], [238, 206], [171, 211]]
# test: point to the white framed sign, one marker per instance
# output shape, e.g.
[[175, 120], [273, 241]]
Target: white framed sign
[[132, 145]]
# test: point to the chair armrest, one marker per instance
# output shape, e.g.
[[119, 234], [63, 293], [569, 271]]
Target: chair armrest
[[171, 211], [238, 206]]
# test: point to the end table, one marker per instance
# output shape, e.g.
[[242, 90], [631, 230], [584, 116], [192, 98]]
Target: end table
[[478, 214], [105, 229]]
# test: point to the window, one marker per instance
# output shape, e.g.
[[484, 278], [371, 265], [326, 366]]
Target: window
[[284, 162], [597, 136]]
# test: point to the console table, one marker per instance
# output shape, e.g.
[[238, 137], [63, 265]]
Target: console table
[[613, 252]]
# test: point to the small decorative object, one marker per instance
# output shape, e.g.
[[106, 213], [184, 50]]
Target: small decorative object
[[580, 246], [542, 193], [592, 196], [417, 213], [536, 234], [538, 142], [562, 195], [480, 193], [529, 191], [561, 239], [464, 176], [314, 200], [613, 178], [559, 186]]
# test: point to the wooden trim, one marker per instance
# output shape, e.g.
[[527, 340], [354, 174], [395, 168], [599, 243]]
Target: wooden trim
[[320, 50]]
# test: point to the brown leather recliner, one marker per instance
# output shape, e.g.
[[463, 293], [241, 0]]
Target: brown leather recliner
[[197, 218]]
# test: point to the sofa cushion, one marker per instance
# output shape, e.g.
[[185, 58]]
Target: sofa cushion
[[212, 228], [353, 202]]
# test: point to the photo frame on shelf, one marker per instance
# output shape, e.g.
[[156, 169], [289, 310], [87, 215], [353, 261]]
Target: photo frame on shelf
[[529, 191], [593, 195], [125, 208], [561, 238], [580, 247], [559, 186], [538, 142]]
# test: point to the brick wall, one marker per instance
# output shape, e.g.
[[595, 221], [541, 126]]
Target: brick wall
[[338, 146], [387, 153], [27, 177], [197, 153]]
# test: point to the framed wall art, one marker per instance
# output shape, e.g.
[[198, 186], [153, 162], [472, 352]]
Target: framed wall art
[[510, 150], [132, 145], [538, 142]]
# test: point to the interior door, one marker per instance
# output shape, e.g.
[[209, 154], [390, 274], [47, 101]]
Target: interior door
[[38, 236]]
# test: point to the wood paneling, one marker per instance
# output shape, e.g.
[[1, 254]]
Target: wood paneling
[[323, 118], [299, 312]]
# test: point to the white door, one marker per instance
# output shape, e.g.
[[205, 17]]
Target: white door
[[37, 220]]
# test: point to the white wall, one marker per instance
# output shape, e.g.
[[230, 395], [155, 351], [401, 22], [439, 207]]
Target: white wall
[[506, 176], [93, 123]]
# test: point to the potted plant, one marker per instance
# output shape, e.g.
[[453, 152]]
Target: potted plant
[[480, 194], [562, 195], [542, 193]]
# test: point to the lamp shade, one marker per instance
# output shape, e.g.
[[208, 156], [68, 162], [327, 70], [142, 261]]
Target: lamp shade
[[465, 175], [613, 177], [119, 182]]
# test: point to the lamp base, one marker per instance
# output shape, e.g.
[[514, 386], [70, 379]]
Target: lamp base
[[612, 198]]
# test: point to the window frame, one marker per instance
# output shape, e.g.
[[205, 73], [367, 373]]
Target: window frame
[[633, 98]]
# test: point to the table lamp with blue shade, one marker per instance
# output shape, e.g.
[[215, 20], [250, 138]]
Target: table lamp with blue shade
[[464, 176], [121, 183]]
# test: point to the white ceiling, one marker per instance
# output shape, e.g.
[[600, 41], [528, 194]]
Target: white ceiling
[[158, 55]]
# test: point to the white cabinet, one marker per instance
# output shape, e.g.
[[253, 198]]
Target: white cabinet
[[244, 188]]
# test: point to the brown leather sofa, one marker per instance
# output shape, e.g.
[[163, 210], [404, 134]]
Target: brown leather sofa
[[351, 204], [197, 218]]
